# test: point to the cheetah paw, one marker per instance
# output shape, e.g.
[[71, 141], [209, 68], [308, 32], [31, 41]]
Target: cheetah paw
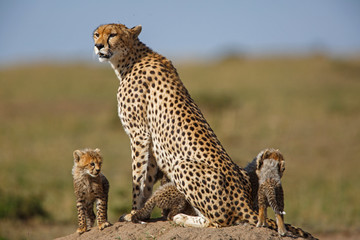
[[191, 221], [261, 224], [104, 225], [82, 230], [282, 232], [127, 217], [180, 219]]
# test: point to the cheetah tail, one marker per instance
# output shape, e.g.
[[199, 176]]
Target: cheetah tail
[[298, 232]]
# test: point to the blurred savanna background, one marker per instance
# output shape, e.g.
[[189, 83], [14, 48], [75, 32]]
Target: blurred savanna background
[[263, 75]]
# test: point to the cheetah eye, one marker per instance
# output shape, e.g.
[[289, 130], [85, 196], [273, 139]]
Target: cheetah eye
[[92, 164], [96, 35], [112, 35]]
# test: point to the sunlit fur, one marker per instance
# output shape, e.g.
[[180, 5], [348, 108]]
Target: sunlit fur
[[114, 40]]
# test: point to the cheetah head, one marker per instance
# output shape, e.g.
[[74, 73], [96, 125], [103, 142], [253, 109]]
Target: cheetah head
[[88, 161], [273, 157], [114, 40]]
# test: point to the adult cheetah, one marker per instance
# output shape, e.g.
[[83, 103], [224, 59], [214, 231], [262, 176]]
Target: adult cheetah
[[167, 131]]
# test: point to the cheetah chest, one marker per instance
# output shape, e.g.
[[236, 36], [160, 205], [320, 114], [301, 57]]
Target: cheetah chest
[[88, 190]]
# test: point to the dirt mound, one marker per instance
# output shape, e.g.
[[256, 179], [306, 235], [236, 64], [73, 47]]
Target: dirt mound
[[167, 230]]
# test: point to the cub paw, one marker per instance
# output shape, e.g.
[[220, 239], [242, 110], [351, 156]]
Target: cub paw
[[104, 225], [127, 217], [282, 232], [82, 230]]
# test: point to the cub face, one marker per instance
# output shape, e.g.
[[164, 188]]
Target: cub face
[[88, 161], [114, 40]]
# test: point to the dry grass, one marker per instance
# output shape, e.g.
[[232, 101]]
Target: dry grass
[[309, 108]]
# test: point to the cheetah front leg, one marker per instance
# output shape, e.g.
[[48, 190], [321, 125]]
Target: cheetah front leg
[[80, 205], [145, 212], [144, 173], [151, 177], [90, 215], [101, 212]]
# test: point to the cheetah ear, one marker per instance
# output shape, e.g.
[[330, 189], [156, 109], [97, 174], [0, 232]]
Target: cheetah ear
[[77, 154], [259, 163], [282, 166], [97, 150], [135, 31], [265, 154]]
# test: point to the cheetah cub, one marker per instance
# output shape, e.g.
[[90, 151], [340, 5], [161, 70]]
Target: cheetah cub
[[90, 186], [169, 199], [270, 167]]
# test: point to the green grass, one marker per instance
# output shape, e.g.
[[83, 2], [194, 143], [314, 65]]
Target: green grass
[[21, 207], [307, 107]]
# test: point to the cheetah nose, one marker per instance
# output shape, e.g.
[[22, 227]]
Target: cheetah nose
[[99, 46], [97, 170]]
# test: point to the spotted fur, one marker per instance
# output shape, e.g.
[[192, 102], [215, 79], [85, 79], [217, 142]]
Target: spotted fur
[[90, 186], [255, 164], [167, 131], [270, 193], [265, 172], [169, 199]]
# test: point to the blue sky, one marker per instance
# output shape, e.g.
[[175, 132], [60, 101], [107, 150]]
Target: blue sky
[[62, 29]]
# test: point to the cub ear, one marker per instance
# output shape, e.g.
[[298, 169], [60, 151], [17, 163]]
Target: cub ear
[[266, 154], [282, 166], [97, 150], [135, 31], [259, 163], [77, 154]]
